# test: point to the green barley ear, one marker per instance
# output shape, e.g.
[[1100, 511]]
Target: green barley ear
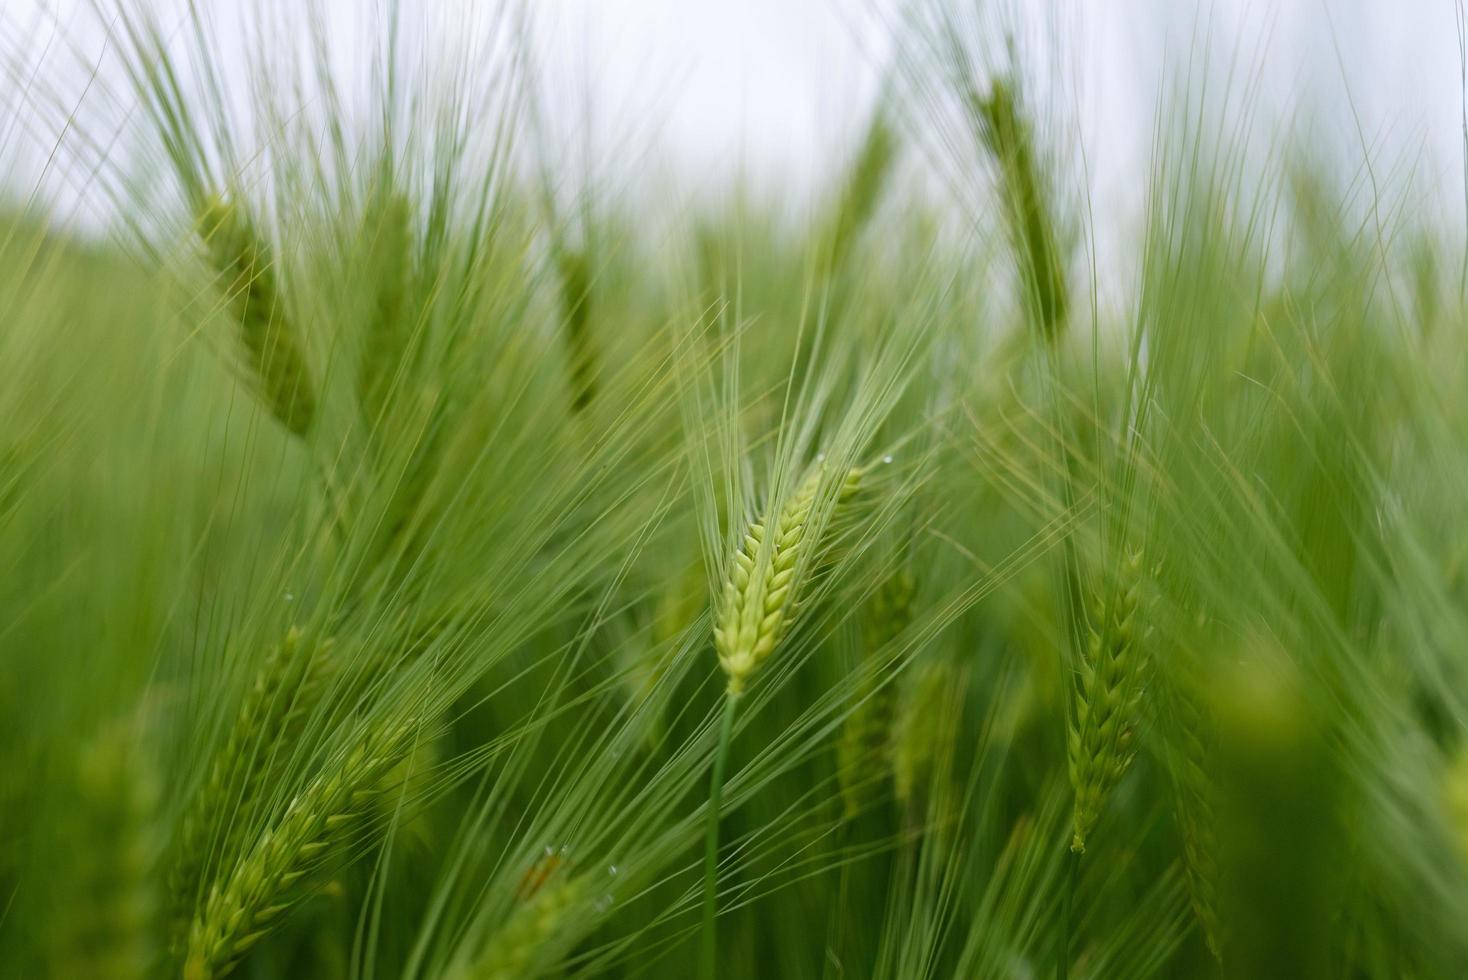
[[924, 727], [248, 276], [574, 274], [642, 664], [387, 345], [679, 604], [1455, 799], [287, 685], [758, 600], [109, 926], [1189, 763], [865, 740], [1007, 136], [864, 186], [1101, 739], [249, 899], [528, 937], [754, 611]]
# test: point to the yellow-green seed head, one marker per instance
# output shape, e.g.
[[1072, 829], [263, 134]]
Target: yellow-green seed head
[[758, 599], [522, 941], [924, 726], [245, 901]]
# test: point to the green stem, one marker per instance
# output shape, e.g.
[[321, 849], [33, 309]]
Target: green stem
[[1062, 959], [711, 840]]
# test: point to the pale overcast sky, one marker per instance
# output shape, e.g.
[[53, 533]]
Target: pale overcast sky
[[776, 89]]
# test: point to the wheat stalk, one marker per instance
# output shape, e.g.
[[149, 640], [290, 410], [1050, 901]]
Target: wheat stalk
[[387, 345], [273, 350], [866, 734], [922, 729], [287, 684], [574, 273], [246, 903], [755, 610], [522, 942], [864, 185], [1006, 134], [759, 598], [1195, 812], [1100, 741], [107, 932]]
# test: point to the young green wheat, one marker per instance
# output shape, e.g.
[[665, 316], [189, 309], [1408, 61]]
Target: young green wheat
[[866, 733], [1101, 740], [250, 285], [759, 600], [247, 902]]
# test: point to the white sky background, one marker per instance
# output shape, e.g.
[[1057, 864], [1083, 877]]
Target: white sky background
[[689, 95], [781, 83]]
